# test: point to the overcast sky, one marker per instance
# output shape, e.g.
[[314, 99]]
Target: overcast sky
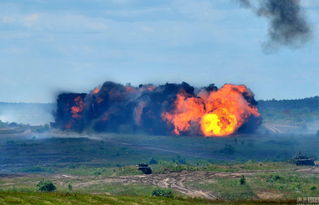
[[48, 46]]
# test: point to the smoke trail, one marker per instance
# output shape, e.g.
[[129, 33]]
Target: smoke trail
[[288, 24]]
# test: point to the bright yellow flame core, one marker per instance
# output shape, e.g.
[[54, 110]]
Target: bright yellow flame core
[[218, 123]]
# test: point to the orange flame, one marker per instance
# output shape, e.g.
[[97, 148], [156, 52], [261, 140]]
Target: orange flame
[[129, 88], [187, 110], [217, 113], [78, 107], [150, 87], [218, 123], [96, 90]]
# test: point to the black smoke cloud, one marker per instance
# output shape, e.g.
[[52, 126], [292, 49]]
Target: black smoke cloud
[[121, 108], [288, 25]]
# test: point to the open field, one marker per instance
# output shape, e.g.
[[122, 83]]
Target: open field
[[264, 181], [36, 198], [191, 167], [52, 152]]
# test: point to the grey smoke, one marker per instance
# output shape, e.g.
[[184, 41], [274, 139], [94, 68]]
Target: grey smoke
[[27, 113], [245, 3], [288, 25]]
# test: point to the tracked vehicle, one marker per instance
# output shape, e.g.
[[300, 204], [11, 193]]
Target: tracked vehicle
[[144, 168], [303, 160]]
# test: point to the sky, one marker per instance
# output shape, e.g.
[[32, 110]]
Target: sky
[[52, 46]]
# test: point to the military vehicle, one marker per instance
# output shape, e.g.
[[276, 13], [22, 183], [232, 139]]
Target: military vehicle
[[303, 160], [144, 168]]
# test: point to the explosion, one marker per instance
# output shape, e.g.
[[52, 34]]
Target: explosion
[[177, 109], [78, 107], [218, 113], [218, 123]]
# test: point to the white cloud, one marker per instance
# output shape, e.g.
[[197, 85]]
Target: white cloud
[[6, 19], [30, 20], [70, 22], [309, 3]]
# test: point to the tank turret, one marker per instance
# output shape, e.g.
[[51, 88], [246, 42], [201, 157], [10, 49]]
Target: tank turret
[[303, 160], [144, 168]]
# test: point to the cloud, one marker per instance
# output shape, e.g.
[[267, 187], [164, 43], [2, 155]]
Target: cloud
[[6, 19], [309, 3], [27, 20], [55, 22], [31, 19]]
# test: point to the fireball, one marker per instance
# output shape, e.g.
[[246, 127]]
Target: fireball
[[217, 113], [218, 123]]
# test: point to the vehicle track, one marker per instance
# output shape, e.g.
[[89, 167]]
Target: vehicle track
[[178, 181]]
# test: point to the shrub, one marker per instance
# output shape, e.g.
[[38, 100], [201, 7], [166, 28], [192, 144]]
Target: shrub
[[313, 188], [179, 160], [153, 161], [70, 187], [97, 173], [162, 193], [46, 186], [273, 178], [242, 180]]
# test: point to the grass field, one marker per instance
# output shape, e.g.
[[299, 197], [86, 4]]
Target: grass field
[[36, 198], [42, 153], [273, 185], [102, 167], [264, 181]]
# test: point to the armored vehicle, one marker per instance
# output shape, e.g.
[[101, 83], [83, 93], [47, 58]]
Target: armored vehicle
[[144, 168], [303, 160]]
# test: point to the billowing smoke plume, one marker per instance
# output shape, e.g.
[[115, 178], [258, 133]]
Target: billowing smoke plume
[[288, 24], [173, 109]]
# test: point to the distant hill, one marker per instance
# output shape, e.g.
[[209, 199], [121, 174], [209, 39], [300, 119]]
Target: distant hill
[[311, 103], [27, 113], [299, 115]]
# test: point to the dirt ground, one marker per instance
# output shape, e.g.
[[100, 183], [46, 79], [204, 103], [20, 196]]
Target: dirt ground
[[176, 181]]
